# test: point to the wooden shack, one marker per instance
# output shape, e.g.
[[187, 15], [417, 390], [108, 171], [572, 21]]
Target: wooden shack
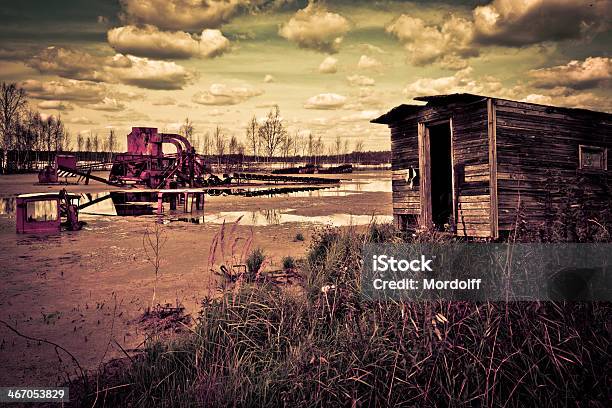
[[471, 164]]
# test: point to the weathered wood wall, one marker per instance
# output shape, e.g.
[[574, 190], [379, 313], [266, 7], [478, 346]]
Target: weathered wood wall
[[538, 161], [470, 162]]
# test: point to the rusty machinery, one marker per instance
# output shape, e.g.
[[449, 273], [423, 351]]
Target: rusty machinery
[[146, 163]]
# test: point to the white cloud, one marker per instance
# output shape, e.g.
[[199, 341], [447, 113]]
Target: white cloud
[[360, 80], [449, 45], [516, 23], [269, 78], [366, 62], [108, 104], [329, 66], [149, 41], [221, 94], [316, 28], [82, 120], [325, 101], [591, 73], [146, 73], [55, 104], [65, 90], [180, 14], [461, 81], [126, 69]]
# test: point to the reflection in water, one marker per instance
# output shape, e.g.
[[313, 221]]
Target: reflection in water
[[283, 216], [108, 203]]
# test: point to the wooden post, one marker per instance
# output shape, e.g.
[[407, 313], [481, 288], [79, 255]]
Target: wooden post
[[425, 175], [492, 131]]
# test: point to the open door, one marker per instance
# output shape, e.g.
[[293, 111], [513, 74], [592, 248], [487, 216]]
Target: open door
[[436, 167]]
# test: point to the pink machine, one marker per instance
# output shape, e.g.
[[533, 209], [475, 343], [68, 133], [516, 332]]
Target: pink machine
[[43, 212], [146, 163], [51, 174]]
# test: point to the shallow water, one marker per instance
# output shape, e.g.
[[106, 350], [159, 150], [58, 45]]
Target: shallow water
[[108, 205], [281, 216]]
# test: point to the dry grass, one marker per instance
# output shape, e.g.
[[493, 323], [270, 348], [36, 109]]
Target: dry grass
[[259, 345]]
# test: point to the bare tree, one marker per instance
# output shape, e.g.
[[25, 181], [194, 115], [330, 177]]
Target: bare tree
[[252, 136], [337, 148], [12, 103], [233, 145], [272, 132], [95, 142], [88, 147], [220, 142], [207, 144], [358, 149], [111, 141], [188, 130], [80, 142]]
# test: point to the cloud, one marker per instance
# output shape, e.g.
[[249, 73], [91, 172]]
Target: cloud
[[366, 62], [461, 81], [221, 94], [329, 66], [269, 78], [125, 69], [360, 80], [570, 98], [325, 101], [593, 72], [82, 120], [180, 14], [149, 41], [65, 90], [146, 73], [516, 23], [368, 99], [108, 104], [316, 28], [449, 45], [55, 104], [165, 101], [65, 62]]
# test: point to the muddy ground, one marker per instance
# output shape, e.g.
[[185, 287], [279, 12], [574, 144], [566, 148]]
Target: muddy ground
[[86, 290]]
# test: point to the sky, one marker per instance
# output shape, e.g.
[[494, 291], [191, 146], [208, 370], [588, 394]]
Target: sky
[[331, 66]]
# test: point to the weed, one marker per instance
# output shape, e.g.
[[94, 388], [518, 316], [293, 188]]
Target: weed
[[288, 262]]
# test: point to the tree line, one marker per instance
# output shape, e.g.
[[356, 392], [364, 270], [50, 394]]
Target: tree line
[[270, 140], [24, 133]]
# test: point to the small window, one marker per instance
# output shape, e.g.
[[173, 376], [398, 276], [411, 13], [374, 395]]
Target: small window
[[44, 210], [593, 158]]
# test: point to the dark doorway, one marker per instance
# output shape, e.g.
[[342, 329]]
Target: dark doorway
[[441, 175]]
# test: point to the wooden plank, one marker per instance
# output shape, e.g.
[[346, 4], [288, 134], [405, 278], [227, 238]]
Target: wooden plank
[[425, 175], [474, 198], [492, 129]]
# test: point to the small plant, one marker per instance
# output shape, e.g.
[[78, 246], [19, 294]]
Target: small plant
[[153, 240], [299, 236], [288, 262], [254, 263]]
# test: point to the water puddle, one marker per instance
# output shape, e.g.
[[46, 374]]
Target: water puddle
[[268, 217]]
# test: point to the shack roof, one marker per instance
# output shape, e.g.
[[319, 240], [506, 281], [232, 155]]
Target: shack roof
[[400, 112]]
